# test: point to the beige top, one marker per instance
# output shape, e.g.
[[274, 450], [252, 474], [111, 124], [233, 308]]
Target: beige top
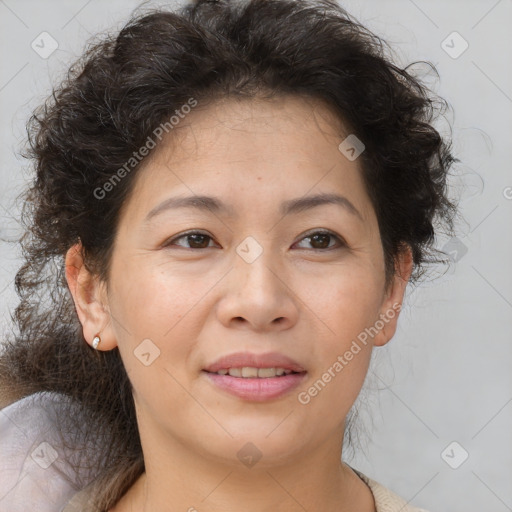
[[386, 500]]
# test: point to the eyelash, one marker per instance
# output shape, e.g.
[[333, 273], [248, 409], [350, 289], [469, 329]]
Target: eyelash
[[309, 235]]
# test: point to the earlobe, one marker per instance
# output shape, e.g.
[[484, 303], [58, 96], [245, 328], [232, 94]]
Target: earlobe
[[392, 305], [86, 291]]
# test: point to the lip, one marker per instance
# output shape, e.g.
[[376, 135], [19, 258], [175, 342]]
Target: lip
[[253, 388], [256, 389], [268, 360]]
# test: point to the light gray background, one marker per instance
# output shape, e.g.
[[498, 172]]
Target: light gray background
[[446, 374]]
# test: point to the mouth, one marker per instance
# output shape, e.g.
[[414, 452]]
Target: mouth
[[255, 377], [253, 384], [251, 372]]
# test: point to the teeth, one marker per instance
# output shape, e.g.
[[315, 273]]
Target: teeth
[[251, 372]]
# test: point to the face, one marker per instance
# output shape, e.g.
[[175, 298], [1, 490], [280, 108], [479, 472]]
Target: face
[[250, 277]]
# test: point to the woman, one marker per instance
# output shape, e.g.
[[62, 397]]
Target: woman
[[229, 203]]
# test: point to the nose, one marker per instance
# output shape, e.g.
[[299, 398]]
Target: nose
[[258, 296]]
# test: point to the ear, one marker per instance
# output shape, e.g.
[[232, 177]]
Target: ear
[[394, 295], [90, 297]]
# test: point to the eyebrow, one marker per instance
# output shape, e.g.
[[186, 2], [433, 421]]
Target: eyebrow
[[215, 205]]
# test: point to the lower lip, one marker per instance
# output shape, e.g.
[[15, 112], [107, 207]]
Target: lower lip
[[256, 389]]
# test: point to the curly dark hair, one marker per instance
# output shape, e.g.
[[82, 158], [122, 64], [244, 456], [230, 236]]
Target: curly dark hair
[[113, 99]]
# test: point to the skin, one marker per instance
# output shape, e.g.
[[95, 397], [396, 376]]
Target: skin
[[197, 304]]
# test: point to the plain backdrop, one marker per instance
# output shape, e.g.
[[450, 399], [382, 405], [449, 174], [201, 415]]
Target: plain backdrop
[[439, 405]]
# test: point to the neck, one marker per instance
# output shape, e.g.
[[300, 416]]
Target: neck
[[178, 478]]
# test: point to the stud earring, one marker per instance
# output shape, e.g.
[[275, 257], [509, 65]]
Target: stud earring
[[95, 342]]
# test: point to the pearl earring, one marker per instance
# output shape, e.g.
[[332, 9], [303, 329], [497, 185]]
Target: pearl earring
[[95, 342]]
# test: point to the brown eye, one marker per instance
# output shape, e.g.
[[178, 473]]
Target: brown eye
[[195, 239], [320, 240]]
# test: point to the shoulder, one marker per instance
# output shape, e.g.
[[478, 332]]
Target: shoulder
[[36, 461], [385, 499]]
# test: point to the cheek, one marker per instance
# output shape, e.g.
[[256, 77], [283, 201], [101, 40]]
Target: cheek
[[154, 321], [154, 300], [347, 308], [339, 373], [347, 304]]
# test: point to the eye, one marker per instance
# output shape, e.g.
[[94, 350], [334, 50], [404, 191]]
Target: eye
[[321, 240], [195, 238], [200, 240]]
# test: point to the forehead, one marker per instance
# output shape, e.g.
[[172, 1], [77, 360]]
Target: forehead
[[275, 119], [230, 128], [285, 146]]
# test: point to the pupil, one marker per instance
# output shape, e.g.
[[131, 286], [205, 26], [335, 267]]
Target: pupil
[[314, 238], [193, 237]]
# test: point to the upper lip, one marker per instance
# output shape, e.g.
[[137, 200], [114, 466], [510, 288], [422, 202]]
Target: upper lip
[[248, 359]]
